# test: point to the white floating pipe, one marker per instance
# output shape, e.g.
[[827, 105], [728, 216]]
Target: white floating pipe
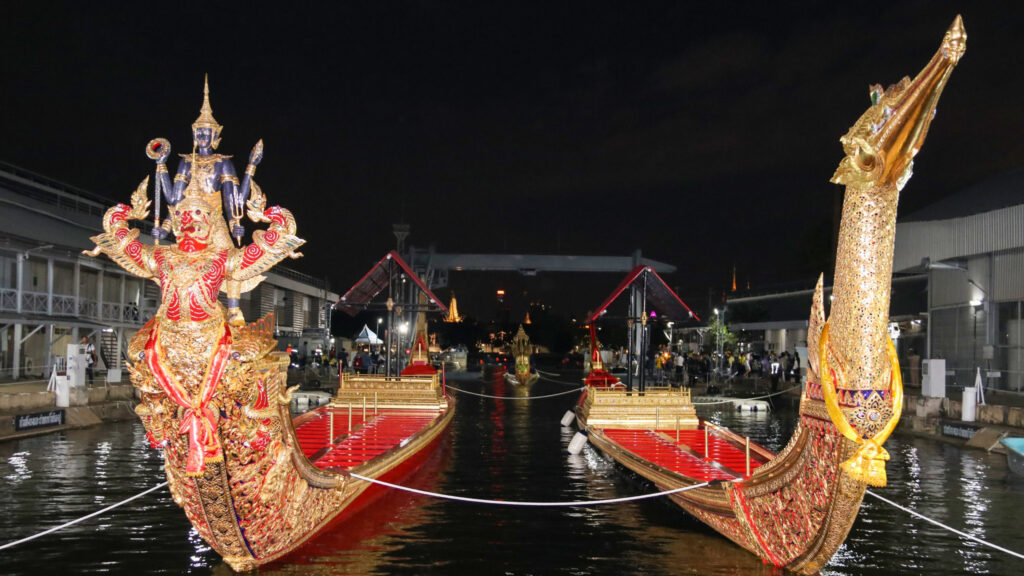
[[577, 443], [568, 417]]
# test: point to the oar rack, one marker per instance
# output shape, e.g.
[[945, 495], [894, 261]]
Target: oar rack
[[383, 393], [652, 409]]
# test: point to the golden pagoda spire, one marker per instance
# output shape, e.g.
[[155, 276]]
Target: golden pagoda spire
[[733, 277], [527, 320], [206, 119], [453, 311]]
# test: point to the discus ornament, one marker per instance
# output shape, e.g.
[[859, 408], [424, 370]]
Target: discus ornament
[[158, 149]]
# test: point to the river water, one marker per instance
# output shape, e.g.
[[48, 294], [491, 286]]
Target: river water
[[499, 449]]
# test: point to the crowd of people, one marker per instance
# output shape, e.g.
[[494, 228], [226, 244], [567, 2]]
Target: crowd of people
[[363, 360], [668, 367]]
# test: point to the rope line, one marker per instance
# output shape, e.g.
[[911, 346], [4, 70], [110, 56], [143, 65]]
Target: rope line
[[950, 528], [83, 518], [450, 387], [745, 399], [528, 503], [562, 382]]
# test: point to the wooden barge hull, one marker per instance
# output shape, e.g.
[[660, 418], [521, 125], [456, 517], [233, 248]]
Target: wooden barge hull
[[794, 510], [270, 496]]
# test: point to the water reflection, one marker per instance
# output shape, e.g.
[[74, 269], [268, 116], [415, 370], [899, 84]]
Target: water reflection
[[513, 450]]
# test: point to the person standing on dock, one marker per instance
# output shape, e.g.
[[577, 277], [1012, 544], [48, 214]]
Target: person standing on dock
[[775, 370], [90, 357]]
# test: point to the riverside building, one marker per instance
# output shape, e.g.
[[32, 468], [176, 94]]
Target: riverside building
[[51, 295]]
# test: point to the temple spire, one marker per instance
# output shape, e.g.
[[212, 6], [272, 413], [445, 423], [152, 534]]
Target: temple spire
[[453, 311]]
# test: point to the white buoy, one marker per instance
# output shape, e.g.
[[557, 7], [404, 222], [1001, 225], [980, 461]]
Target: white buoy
[[568, 418], [577, 443]]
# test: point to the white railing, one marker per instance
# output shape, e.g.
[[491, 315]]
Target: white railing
[[63, 305], [88, 308], [34, 302], [113, 311], [8, 299]]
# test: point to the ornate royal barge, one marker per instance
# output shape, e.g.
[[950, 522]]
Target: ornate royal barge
[[794, 509], [522, 351], [255, 483]]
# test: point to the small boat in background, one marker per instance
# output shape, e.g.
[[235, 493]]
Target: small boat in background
[[522, 350], [1014, 454]]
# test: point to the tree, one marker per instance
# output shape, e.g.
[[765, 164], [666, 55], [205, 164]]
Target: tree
[[719, 333]]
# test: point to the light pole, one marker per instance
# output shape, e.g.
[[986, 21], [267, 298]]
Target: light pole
[[379, 322], [975, 306], [719, 337]]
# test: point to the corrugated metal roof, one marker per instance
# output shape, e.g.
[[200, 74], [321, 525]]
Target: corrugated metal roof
[[1000, 191]]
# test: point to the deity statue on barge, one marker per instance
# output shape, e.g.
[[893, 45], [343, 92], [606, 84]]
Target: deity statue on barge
[[213, 174], [211, 389], [255, 482]]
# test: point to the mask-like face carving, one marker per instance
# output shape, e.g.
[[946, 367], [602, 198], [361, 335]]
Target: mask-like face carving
[[205, 138], [191, 220]]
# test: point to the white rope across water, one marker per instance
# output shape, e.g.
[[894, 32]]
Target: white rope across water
[[950, 528], [83, 518], [734, 400], [576, 503], [574, 390], [562, 382], [528, 503]]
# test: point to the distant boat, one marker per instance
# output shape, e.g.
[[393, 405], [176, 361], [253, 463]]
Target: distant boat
[[522, 350], [1014, 454]]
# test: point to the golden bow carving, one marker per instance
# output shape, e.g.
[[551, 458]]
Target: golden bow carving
[[868, 464]]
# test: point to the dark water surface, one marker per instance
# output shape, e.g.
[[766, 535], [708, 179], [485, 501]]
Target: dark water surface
[[511, 450]]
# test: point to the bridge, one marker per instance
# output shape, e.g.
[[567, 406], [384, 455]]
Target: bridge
[[433, 267]]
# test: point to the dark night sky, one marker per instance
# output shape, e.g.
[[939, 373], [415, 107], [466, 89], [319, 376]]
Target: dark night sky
[[703, 135]]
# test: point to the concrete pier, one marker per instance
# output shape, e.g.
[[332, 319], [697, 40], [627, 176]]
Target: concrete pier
[[28, 409]]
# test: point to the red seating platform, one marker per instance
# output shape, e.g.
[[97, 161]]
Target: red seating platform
[[662, 451], [378, 434]]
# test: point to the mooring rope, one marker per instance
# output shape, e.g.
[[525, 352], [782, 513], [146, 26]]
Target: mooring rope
[[562, 382], [528, 503], [734, 400], [83, 518], [576, 503], [950, 528], [450, 387]]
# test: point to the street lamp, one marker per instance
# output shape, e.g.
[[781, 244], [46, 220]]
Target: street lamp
[[719, 337], [976, 305]]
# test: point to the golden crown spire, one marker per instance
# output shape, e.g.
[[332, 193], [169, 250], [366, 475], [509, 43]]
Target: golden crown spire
[[205, 119]]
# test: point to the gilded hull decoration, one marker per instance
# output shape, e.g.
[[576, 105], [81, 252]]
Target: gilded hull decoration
[[213, 389], [795, 509]]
